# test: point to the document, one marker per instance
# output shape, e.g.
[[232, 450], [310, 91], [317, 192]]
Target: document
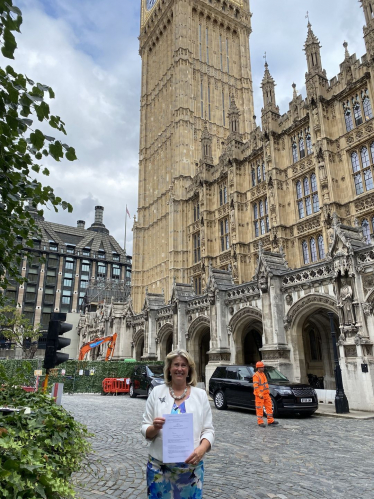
[[177, 437]]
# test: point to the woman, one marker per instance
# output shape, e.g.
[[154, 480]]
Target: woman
[[177, 396]]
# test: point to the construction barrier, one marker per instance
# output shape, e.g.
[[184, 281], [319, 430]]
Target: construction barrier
[[116, 385]]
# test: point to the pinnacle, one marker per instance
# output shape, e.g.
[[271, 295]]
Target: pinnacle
[[311, 38]]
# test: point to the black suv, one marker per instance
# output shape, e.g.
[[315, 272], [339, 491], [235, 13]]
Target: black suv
[[145, 378], [233, 385]]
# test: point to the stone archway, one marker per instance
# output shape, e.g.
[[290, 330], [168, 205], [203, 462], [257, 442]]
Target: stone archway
[[310, 338], [138, 342], [198, 344], [164, 339], [246, 327]]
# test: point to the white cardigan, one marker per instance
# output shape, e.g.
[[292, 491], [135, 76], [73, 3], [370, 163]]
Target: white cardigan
[[160, 402]]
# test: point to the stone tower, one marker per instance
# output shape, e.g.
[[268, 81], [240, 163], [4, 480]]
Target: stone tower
[[195, 56]]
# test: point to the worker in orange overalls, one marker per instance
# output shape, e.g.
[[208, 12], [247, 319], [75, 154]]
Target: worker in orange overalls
[[262, 396]]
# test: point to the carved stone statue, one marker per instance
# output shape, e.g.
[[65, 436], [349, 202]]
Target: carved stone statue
[[346, 299], [263, 283]]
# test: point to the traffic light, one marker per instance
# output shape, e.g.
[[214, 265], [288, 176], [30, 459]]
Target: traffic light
[[57, 327]]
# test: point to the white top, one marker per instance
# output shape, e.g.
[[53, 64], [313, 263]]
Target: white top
[[160, 402]]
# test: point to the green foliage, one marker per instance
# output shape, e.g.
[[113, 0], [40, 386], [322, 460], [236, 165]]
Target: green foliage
[[38, 451], [21, 145], [16, 328], [73, 382]]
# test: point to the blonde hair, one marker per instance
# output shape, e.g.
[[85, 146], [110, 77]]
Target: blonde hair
[[192, 376]]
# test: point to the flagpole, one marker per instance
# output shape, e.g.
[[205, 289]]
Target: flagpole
[[125, 228]]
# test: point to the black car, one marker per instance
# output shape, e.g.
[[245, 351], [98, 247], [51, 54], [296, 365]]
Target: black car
[[145, 378], [233, 385]]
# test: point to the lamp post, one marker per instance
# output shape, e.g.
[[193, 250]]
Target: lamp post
[[341, 401]]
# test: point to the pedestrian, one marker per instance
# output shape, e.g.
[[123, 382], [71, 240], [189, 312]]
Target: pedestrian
[[178, 395], [262, 396]]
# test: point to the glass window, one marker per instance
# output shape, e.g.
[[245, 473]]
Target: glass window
[[321, 247], [366, 230], [66, 300], [257, 232], [69, 264], [262, 222], [348, 116], [315, 203], [258, 173], [306, 187], [85, 267], [301, 209], [67, 282], [253, 173], [101, 254], [358, 183], [255, 211], [101, 269], [261, 209], [313, 250], [232, 373], [305, 252], [301, 148], [308, 206], [299, 191], [116, 270], [115, 257], [294, 152], [368, 179], [263, 172], [357, 113], [309, 146], [196, 243], [313, 181], [225, 242], [84, 283], [365, 157]]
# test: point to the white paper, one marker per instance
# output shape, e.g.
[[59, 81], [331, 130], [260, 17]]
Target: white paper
[[177, 437]]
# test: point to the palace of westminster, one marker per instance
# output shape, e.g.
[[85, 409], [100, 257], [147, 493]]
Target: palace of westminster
[[251, 241]]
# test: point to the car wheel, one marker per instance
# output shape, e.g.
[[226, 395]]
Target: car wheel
[[132, 393], [274, 405], [220, 400], [150, 388]]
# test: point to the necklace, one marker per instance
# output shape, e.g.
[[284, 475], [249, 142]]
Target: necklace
[[180, 396]]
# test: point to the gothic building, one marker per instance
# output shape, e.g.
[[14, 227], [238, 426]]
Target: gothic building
[[251, 242]]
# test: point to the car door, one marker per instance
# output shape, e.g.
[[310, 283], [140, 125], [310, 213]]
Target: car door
[[143, 378], [232, 387], [249, 388], [244, 390]]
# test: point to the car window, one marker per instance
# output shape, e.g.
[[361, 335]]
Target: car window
[[273, 374], [232, 373], [244, 373], [156, 370], [220, 372], [143, 371]]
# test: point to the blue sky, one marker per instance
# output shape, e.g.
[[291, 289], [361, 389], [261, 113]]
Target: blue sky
[[87, 50]]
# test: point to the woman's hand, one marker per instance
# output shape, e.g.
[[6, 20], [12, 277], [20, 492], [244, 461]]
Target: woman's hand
[[153, 430], [199, 452], [158, 423]]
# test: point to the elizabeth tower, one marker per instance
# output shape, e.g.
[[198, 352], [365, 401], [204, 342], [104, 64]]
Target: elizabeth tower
[[195, 59]]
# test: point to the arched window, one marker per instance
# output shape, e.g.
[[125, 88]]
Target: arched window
[[263, 172], [313, 250], [321, 247], [305, 252], [309, 148], [262, 226], [365, 157], [294, 152], [357, 111], [299, 190], [366, 230], [313, 181], [306, 187], [308, 205], [368, 179], [348, 116], [255, 211], [355, 162], [366, 104], [253, 177], [261, 209], [258, 173], [301, 148]]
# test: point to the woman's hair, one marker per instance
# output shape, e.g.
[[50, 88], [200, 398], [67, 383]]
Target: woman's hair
[[191, 378]]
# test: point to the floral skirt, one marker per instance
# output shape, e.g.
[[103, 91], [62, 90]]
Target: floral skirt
[[174, 480]]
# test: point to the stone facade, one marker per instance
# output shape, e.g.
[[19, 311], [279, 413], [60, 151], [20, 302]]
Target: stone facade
[[267, 228]]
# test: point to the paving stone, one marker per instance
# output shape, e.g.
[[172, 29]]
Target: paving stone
[[303, 458]]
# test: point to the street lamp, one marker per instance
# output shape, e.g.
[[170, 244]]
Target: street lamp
[[341, 401]]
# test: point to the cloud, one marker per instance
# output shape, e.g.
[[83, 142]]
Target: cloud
[[87, 50]]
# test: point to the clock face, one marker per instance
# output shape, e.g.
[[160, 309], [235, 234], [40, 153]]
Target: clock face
[[150, 4]]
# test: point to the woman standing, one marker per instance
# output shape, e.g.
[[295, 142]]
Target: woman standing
[[177, 396]]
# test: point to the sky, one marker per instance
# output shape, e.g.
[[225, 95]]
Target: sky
[[88, 52]]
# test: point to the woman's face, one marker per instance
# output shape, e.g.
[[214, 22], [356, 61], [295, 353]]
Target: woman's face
[[179, 369]]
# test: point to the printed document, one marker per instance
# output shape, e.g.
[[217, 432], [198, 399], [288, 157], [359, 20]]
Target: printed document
[[177, 437]]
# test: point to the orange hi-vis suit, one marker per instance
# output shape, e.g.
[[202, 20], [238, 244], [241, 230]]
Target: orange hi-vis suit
[[262, 397]]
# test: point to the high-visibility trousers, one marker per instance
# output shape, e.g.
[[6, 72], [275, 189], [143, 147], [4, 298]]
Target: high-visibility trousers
[[260, 404]]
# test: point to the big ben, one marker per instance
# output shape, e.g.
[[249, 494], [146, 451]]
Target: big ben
[[195, 59]]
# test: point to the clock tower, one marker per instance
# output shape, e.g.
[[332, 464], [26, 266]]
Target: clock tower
[[195, 58]]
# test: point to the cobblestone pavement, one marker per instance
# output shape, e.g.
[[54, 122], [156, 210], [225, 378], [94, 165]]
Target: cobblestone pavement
[[307, 458]]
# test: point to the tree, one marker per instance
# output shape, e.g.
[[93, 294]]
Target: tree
[[18, 330], [21, 147]]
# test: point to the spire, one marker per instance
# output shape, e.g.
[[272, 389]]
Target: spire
[[368, 7], [312, 50], [268, 91], [233, 114], [206, 145]]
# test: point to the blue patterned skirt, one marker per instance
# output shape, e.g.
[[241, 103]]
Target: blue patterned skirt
[[174, 480]]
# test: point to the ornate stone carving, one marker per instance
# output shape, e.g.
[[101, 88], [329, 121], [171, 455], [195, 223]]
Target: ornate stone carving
[[275, 354], [289, 300], [350, 351]]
